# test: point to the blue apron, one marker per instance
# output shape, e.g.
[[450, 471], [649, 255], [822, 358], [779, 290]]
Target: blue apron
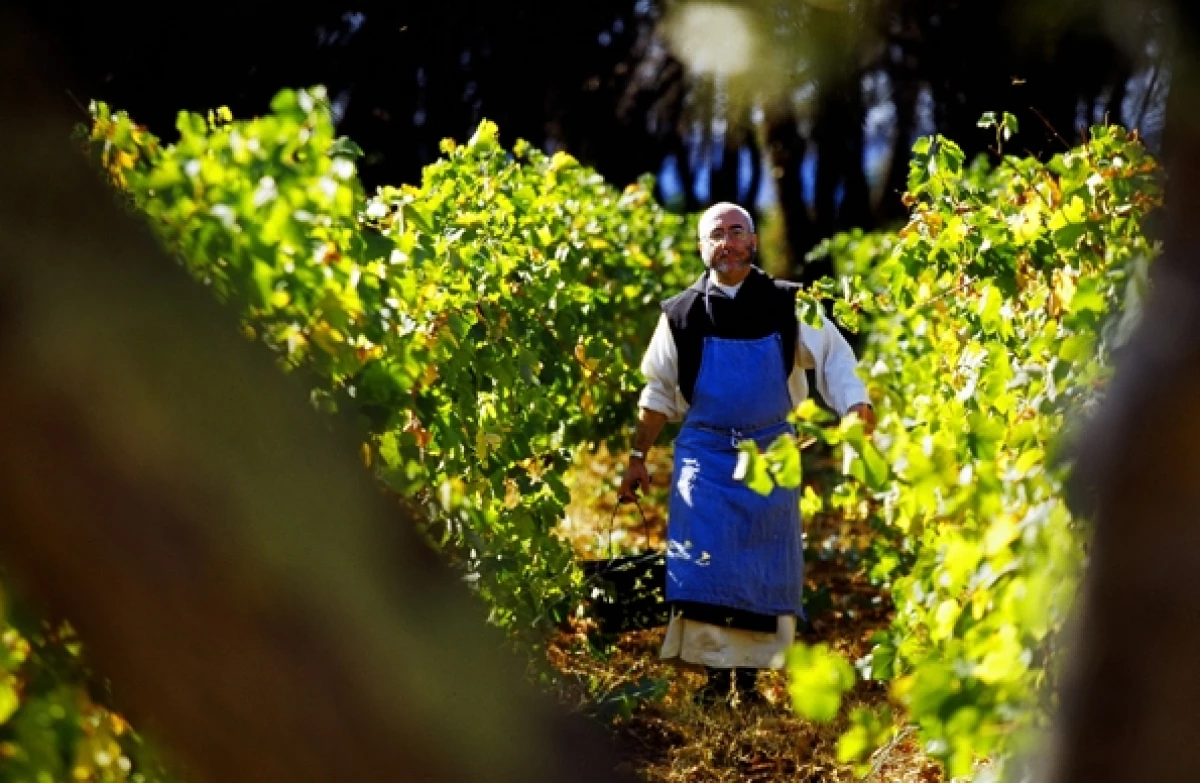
[[726, 544]]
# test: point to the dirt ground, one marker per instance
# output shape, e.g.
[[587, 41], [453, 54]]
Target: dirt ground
[[659, 731]]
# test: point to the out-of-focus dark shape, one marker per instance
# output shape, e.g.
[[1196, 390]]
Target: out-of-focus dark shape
[[1131, 694], [255, 600]]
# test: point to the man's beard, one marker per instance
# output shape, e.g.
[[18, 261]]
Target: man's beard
[[730, 264]]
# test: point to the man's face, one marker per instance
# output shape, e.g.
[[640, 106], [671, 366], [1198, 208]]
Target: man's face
[[727, 243]]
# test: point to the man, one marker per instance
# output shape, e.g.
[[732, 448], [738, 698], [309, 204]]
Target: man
[[728, 358]]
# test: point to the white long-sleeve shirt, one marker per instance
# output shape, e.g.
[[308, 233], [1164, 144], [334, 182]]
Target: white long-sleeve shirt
[[823, 350]]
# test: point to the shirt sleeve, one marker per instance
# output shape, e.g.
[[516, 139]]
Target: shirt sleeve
[[660, 366], [827, 352]]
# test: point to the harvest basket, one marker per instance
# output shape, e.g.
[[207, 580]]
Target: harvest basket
[[627, 593]]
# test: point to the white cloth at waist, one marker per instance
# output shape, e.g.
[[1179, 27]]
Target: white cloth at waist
[[704, 644]]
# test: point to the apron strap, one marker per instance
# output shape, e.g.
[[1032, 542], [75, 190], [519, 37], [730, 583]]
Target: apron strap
[[612, 520]]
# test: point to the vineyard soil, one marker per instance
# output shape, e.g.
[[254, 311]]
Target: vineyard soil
[[670, 739]]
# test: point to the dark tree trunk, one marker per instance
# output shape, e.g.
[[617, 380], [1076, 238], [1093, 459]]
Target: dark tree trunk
[[841, 197], [723, 178], [786, 148], [687, 174], [902, 61], [751, 198], [890, 207], [839, 138], [727, 177]]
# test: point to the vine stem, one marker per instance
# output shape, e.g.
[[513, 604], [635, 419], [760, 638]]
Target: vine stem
[[879, 757], [1049, 127]]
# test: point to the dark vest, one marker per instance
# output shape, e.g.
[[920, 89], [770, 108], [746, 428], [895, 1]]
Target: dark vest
[[763, 306]]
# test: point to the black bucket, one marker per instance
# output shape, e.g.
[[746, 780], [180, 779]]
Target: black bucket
[[627, 593]]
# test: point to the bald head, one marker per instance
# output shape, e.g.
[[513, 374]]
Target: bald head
[[727, 242], [718, 213]]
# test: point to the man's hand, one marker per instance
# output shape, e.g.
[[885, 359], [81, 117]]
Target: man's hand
[[650, 423], [865, 412], [635, 476]]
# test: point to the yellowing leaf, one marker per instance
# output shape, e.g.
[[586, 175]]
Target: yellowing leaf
[[817, 679], [1028, 460], [784, 457], [809, 410], [944, 618], [512, 495], [486, 135], [960, 560], [413, 426], [1062, 291], [589, 365], [562, 160], [752, 469], [8, 700], [1004, 661], [1028, 222], [329, 339], [1001, 532], [811, 503], [1075, 211]]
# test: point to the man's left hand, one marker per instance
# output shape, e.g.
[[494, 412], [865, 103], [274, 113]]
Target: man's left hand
[[865, 412]]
